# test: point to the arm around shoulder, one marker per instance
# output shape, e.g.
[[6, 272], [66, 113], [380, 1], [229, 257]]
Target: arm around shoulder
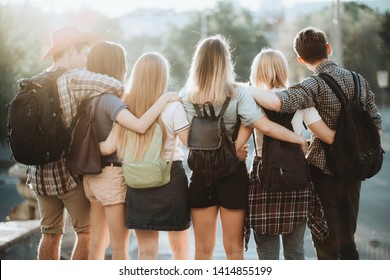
[[140, 125], [265, 98]]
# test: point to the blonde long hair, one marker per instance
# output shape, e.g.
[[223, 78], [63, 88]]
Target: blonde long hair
[[269, 70], [211, 77], [148, 81]]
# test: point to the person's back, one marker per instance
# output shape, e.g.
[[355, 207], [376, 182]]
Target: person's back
[[55, 187], [339, 198], [155, 208], [269, 70], [211, 79]]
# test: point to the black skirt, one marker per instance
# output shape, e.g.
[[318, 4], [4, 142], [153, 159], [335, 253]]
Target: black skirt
[[163, 208]]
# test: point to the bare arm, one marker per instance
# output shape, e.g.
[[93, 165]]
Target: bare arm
[[109, 146], [322, 131], [243, 135], [128, 120], [279, 132], [265, 98], [183, 136]]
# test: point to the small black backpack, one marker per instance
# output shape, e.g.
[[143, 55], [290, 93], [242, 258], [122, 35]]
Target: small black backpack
[[356, 153], [36, 132], [283, 165], [211, 152]]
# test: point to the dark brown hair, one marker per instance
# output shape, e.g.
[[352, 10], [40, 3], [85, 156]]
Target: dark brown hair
[[311, 45]]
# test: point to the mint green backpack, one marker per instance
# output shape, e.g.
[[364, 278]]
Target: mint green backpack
[[152, 171]]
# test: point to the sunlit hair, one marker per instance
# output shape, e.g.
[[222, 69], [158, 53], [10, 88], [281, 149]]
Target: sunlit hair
[[311, 45], [269, 70], [148, 81], [211, 77], [108, 58]]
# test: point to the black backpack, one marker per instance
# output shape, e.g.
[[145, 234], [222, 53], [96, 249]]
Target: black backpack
[[283, 165], [36, 132], [356, 153], [211, 152]]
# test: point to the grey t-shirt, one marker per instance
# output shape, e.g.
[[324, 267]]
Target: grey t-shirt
[[241, 104], [106, 113]]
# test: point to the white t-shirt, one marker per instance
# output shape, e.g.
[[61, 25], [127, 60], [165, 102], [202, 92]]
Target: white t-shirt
[[175, 120]]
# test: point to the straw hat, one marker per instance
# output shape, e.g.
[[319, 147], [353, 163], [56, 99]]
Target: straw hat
[[68, 36]]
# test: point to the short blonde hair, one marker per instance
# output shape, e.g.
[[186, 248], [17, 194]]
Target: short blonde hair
[[269, 69]]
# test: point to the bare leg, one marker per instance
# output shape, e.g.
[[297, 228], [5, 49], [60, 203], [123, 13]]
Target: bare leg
[[147, 244], [119, 234], [100, 236], [205, 231], [82, 244], [49, 247], [233, 233], [179, 242]]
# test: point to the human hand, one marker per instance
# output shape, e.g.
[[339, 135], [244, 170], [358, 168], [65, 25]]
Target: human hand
[[242, 153], [304, 145]]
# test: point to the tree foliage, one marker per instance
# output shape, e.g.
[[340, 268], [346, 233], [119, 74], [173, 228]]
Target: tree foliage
[[384, 33], [24, 31], [227, 19], [20, 54], [362, 45]]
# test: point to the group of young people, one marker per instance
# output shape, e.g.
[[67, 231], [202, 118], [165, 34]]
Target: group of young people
[[103, 209]]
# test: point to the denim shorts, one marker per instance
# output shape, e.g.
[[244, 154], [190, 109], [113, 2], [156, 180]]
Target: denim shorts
[[230, 192], [163, 208]]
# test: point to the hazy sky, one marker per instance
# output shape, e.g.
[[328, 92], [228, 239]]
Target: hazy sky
[[120, 7]]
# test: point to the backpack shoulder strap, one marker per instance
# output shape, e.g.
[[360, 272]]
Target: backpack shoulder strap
[[356, 81], [237, 126], [93, 104], [224, 107], [197, 110], [330, 81]]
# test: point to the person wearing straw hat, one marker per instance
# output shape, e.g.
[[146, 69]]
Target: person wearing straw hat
[[56, 189]]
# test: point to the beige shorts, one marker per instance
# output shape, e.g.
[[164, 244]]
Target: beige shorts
[[52, 211], [108, 187]]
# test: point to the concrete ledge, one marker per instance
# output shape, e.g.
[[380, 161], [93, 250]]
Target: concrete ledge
[[19, 240]]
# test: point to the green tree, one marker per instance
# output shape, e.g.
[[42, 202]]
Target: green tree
[[362, 45], [384, 33], [228, 19], [20, 51]]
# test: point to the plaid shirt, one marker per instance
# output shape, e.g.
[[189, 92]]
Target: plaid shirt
[[282, 212], [74, 86], [314, 92]]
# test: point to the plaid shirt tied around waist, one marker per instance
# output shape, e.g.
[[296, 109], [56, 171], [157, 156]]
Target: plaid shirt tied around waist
[[282, 212]]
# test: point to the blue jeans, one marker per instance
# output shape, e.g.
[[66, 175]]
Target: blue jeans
[[268, 246]]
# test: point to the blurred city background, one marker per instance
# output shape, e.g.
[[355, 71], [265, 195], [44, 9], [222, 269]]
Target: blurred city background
[[359, 32]]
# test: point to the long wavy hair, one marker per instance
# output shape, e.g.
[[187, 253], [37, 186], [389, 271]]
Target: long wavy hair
[[148, 81], [211, 77]]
